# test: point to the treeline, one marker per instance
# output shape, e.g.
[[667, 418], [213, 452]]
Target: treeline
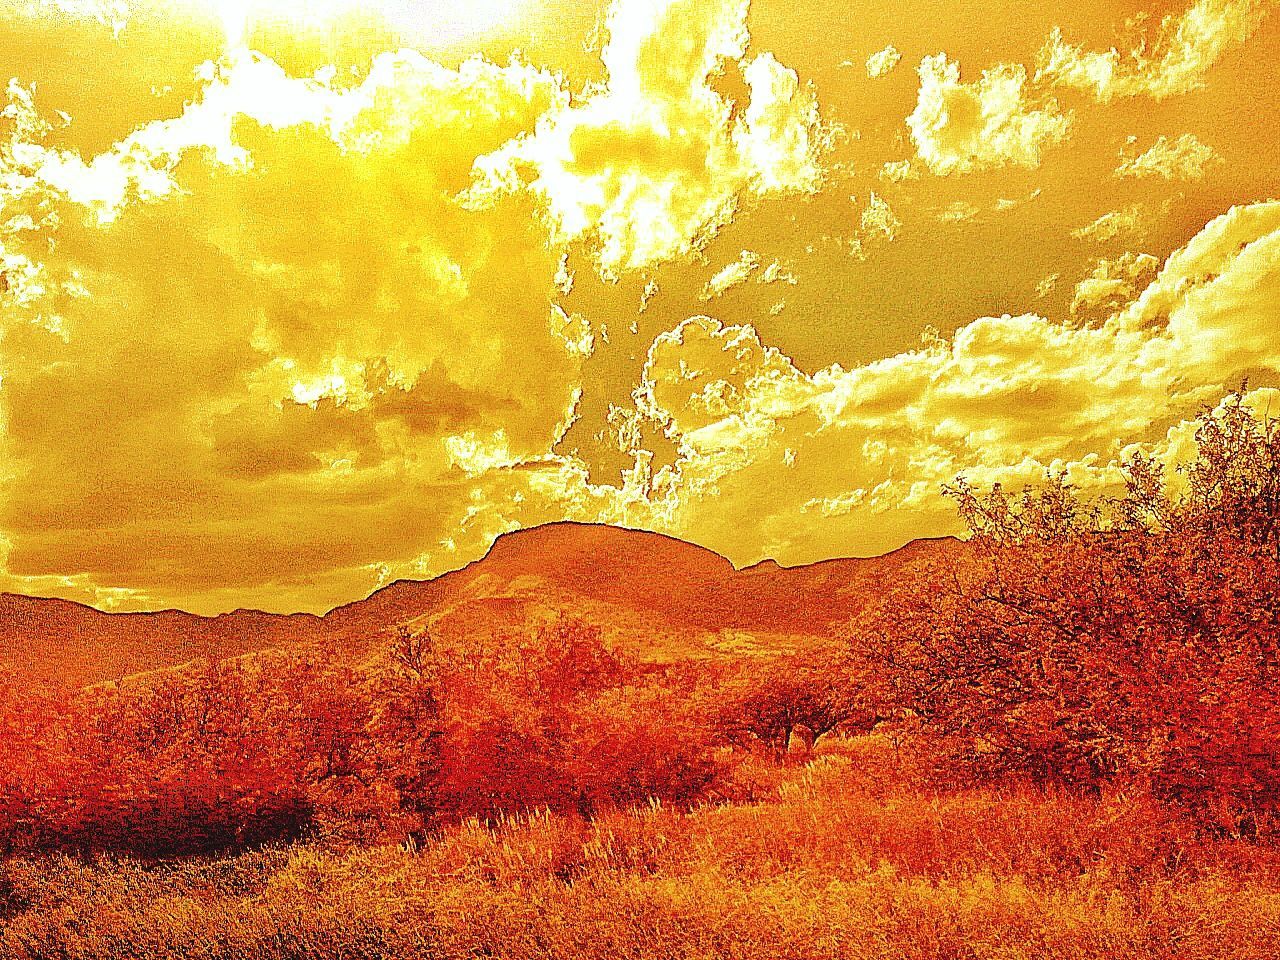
[[1129, 642], [233, 754]]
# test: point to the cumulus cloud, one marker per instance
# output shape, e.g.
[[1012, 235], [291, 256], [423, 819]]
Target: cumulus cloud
[[275, 340], [237, 343], [1174, 61], [652, 164], [883, 61], [1182, 158], [307, 333], [992, 122], [1006, 398], [1112, 283]]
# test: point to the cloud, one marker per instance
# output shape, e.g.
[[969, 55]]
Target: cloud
[[963, 127], [878, 223], [574, 330], [1112, 284], [237, 344], [1183, 158], [308, 333], [739, 271], [775, 272], [649, 166], [275, 340], [1212, 296], [651, 290], [1174, 62], [113, 14], [882, 62], [958, 211], [963, 211], [731, 275], [899, 171], [867, 449], [1113, 224], [1047, 284]]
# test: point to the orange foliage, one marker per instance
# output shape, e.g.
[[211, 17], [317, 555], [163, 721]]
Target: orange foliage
[[1107, 668], [1136, 639], [557, 720], [236, 753], [809, 693], [824, 864], [227, 754]]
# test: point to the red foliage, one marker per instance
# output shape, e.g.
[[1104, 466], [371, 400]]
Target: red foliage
[[220, 755], [557, 720], [237, 753], [1136, 639], [770, 700]]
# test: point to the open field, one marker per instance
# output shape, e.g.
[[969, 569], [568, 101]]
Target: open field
[[836, 859]]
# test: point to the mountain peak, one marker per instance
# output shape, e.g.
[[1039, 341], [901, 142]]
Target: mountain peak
[[646, 588]]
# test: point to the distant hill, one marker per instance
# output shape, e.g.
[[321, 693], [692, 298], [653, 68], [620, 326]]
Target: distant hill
[[657, 595], [62, 641]]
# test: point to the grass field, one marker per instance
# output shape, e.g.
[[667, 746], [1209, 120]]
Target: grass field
[[839, 858]]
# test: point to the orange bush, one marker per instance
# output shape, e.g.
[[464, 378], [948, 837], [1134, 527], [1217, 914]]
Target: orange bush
[[819, 866], [1134, 640], [771, 700], [276, 746], [557, 720]]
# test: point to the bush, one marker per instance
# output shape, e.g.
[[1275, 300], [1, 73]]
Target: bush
[[1135, 639], [274, 747]]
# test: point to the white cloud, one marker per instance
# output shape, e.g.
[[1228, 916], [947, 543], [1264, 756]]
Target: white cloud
[[1005, 398], [959, 211], [962, 127], [883, 61], [731, 275], [651, 165], [1182, 158], [1113, 224], [899, 171], [1175, 62], [1113, 283]]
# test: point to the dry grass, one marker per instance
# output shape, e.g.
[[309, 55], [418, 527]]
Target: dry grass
[[833, 861]]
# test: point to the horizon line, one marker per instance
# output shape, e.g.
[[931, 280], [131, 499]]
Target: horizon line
[[249, 611]]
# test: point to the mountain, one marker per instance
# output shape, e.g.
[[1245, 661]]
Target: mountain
[[657, 595], [62, 641]]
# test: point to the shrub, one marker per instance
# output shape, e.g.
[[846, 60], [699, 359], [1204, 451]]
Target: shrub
[[1135, 639]]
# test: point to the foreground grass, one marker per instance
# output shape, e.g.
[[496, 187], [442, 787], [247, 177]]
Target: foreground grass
[[835, 861]]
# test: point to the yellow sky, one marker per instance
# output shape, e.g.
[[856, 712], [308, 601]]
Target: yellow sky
[[301, 298]]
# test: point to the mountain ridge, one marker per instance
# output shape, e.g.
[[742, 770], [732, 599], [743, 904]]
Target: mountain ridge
[[664, 596]]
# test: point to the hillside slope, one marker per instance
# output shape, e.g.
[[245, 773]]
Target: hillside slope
[[658, 595], [62, 641]]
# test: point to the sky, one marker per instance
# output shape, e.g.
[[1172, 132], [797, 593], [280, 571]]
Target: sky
[[298, 299]]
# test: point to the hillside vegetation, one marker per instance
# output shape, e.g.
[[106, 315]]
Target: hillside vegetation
[[845, 857], [1062, 739]]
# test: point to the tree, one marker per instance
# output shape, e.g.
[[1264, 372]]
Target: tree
[[407, 732], [768, 700], [1133, 638]]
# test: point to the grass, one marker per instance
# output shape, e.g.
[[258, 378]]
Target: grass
[[841, 858]]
